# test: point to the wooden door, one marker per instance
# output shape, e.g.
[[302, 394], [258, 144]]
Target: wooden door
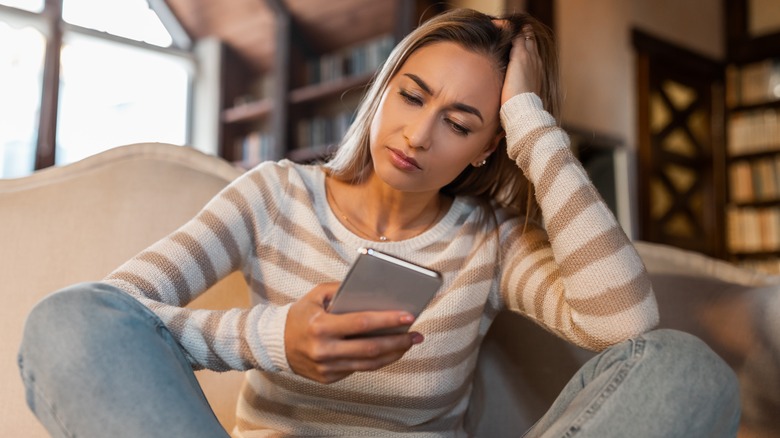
[[681, 153]]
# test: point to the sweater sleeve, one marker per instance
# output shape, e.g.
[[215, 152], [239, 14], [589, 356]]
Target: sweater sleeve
[[577, 275], [180, 267]]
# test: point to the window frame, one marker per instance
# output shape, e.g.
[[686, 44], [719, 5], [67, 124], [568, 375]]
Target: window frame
[[51, 24]]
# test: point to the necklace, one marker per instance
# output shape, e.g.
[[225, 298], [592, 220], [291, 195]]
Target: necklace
[[374, 234]]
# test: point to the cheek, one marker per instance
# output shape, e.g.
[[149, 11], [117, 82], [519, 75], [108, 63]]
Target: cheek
[[465, 150], [379, 123], [373, 128], [451, 161]]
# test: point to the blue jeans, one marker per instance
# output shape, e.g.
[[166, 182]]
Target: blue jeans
[[97, 363], [663, 384]]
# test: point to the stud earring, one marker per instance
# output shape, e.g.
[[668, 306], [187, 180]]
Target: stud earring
[[480, 164]]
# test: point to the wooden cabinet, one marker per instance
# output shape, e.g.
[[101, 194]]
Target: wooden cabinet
[[301, 106]]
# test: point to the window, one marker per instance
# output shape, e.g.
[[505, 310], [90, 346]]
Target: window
[[122, 79], [128, 18], [129, 96], [27, 5], [21, 69]]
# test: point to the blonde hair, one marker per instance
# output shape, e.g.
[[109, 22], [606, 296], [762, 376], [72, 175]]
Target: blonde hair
[[499, 179]]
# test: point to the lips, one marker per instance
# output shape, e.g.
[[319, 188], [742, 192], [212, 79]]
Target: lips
[[403, 161]]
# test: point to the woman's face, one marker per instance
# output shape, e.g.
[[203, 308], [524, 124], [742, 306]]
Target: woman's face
[[438, 115]]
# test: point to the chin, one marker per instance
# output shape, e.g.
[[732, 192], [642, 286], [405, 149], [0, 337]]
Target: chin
[[399, 180]]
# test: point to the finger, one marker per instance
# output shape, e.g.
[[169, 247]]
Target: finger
[[373, 347], [359, 323], [500, 23], [529, 38], [367, 354], [346, 367], [369, 348], [333, 371], [321, 295]]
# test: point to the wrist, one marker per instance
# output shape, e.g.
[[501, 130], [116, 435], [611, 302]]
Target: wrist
[[520, 115]]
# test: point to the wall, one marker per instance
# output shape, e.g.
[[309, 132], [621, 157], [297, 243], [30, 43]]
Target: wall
[[598, 66], [493, 7], [598, 71], [597, 59]]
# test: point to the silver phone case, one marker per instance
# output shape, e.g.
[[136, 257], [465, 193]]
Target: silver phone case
[[379, 281]]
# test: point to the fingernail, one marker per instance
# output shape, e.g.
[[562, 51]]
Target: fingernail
[[417, 338], [407, 319]]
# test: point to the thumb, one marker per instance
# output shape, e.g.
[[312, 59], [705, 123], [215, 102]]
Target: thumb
[[322, 294]]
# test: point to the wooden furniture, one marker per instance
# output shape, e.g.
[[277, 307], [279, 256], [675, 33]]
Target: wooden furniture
[[301, 105], [709, 146], [753, 154], [680, 147]]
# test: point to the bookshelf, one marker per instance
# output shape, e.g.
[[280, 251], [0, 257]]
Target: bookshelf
[[752, 122], [302, 106], [323, 102], [753, 148]]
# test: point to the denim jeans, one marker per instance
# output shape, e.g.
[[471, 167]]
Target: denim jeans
[[664, 384], [97, 363]]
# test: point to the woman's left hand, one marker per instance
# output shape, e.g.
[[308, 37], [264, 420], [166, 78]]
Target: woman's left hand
[[524, 71]]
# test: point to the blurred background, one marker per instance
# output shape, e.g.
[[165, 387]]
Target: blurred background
[[672, 105]]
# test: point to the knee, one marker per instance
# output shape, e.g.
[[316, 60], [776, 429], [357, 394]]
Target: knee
[[67, 318], [683, 350], [694, 365], [62, 310]]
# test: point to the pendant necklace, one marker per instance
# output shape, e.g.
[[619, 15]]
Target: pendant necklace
[[381, 237]]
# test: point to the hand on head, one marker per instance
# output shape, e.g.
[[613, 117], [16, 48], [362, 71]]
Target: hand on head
[[319, 347], [524, 71]]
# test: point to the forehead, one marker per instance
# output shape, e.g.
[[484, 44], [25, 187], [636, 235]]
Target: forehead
[[452, 69]]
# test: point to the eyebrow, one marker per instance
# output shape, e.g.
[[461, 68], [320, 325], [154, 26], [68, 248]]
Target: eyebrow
[[457, 105]]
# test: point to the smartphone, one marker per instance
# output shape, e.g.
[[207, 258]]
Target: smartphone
[[379, 281]]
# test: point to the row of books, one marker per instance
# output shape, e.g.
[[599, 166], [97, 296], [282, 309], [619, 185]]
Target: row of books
[[257, 147], [755, 180], [353, 61], [753, 229], [322, 130], [753, 83], [754, 131]]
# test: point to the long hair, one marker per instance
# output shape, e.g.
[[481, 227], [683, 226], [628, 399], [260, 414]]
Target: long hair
[[499, 179]]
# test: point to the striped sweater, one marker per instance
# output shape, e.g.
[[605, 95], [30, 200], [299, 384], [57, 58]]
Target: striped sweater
[[576, 275]]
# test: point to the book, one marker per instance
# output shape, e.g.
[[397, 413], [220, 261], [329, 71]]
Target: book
[[357, 60]]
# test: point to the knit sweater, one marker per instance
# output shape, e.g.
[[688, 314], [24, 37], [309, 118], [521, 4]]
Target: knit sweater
[[576, 274]]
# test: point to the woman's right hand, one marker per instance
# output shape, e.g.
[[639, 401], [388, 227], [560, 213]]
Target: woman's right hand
[[318, 343], [524, 72]]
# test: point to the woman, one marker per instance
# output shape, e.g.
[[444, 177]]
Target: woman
[[454, 162]]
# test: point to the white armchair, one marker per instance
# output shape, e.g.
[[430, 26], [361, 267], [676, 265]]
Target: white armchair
[[77, 223]]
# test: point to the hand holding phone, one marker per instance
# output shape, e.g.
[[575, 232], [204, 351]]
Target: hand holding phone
[[379, 281], [327, 348]]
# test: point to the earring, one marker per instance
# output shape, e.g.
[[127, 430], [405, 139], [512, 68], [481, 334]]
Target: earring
[[480, 164]]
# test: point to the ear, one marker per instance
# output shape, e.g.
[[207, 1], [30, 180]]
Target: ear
[[491, 146]]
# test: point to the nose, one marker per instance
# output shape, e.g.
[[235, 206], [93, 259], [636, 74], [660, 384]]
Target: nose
[[418, 132]]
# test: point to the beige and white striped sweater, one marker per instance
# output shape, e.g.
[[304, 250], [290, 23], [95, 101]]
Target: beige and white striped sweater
[[579, 277]]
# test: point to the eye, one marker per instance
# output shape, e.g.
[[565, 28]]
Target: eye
[[458, 128], [410, 98]]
